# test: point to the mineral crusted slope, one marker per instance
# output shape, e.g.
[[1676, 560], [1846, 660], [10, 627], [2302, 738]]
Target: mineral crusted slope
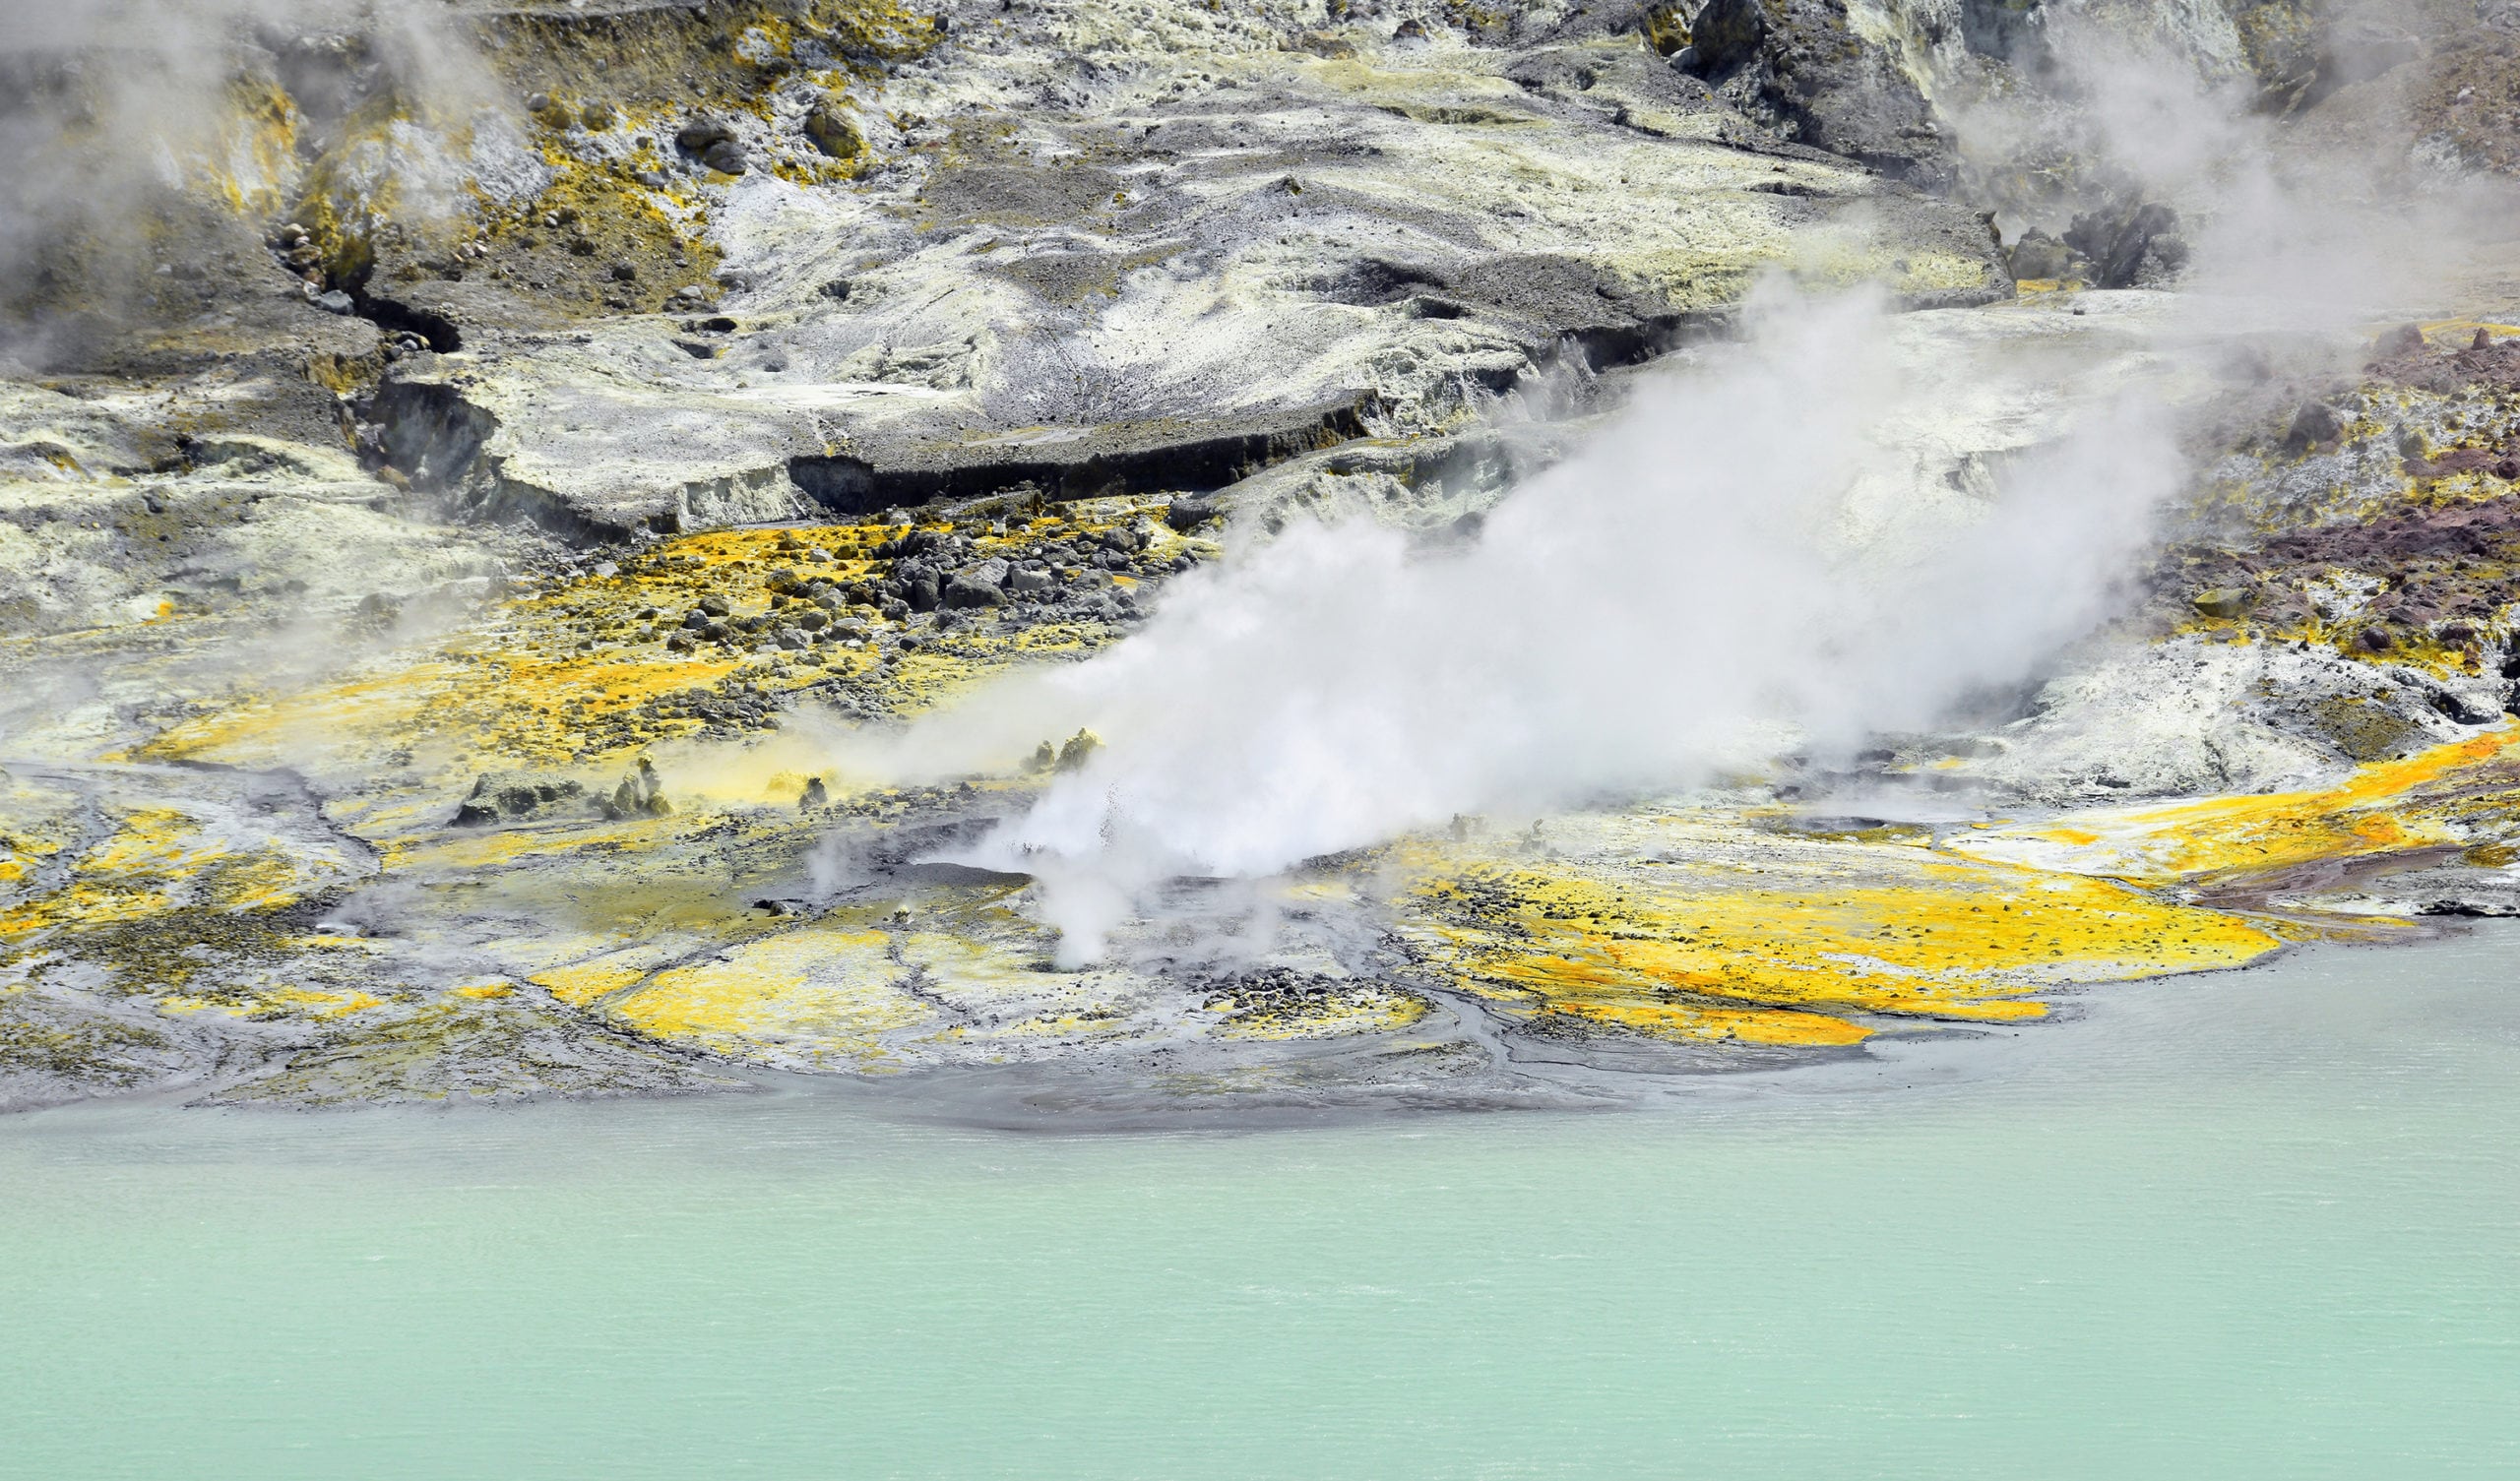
[[452, 512]]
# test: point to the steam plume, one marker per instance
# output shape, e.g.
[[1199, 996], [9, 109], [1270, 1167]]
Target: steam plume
[[1749, 558]]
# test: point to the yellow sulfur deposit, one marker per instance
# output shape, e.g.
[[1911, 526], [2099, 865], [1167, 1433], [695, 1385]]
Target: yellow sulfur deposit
[[1795, 944], [2389, 807], [589, 670], [160, 859], [816, 997]]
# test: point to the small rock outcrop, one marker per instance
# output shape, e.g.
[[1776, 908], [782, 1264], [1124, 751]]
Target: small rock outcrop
[[640, 795], [2129, 243], [512, 797]]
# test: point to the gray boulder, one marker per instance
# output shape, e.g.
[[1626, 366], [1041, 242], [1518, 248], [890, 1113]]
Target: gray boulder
[[698, 135], [834, 133], [640, 794], [980, 584], [1724, 35], [1187, 513], [2130, 243], [2314, 423], [2039, 255]]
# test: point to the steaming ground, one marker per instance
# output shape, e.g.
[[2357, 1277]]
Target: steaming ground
[[1791, 547], [1379, 559]]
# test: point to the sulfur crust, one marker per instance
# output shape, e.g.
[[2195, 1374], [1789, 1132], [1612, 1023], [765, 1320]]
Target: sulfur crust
[[1794, 945], [818, 996], [2387, 807]]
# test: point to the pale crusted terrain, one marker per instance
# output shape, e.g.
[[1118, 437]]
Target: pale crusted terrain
[[442, 542]]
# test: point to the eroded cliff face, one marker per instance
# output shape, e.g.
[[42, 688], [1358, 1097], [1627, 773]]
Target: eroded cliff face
[[465, 488]]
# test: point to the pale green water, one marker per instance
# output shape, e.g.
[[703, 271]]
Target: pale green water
[[2254, 1225]]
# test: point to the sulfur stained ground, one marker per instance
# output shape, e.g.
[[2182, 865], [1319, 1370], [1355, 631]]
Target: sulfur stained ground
[[591, 668], [2458, 798], [182, 912], [160, 917], [1681, 930], [2387, 529], [250, 884], [263, 894]]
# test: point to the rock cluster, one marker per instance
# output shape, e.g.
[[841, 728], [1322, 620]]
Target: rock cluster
[[513, 796]]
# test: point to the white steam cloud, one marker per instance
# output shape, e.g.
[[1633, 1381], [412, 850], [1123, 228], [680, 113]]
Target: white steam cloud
[[2339, 218], [1758, 554]]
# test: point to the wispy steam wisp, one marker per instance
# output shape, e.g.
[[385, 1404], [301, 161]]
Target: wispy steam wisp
[[137, 134]]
